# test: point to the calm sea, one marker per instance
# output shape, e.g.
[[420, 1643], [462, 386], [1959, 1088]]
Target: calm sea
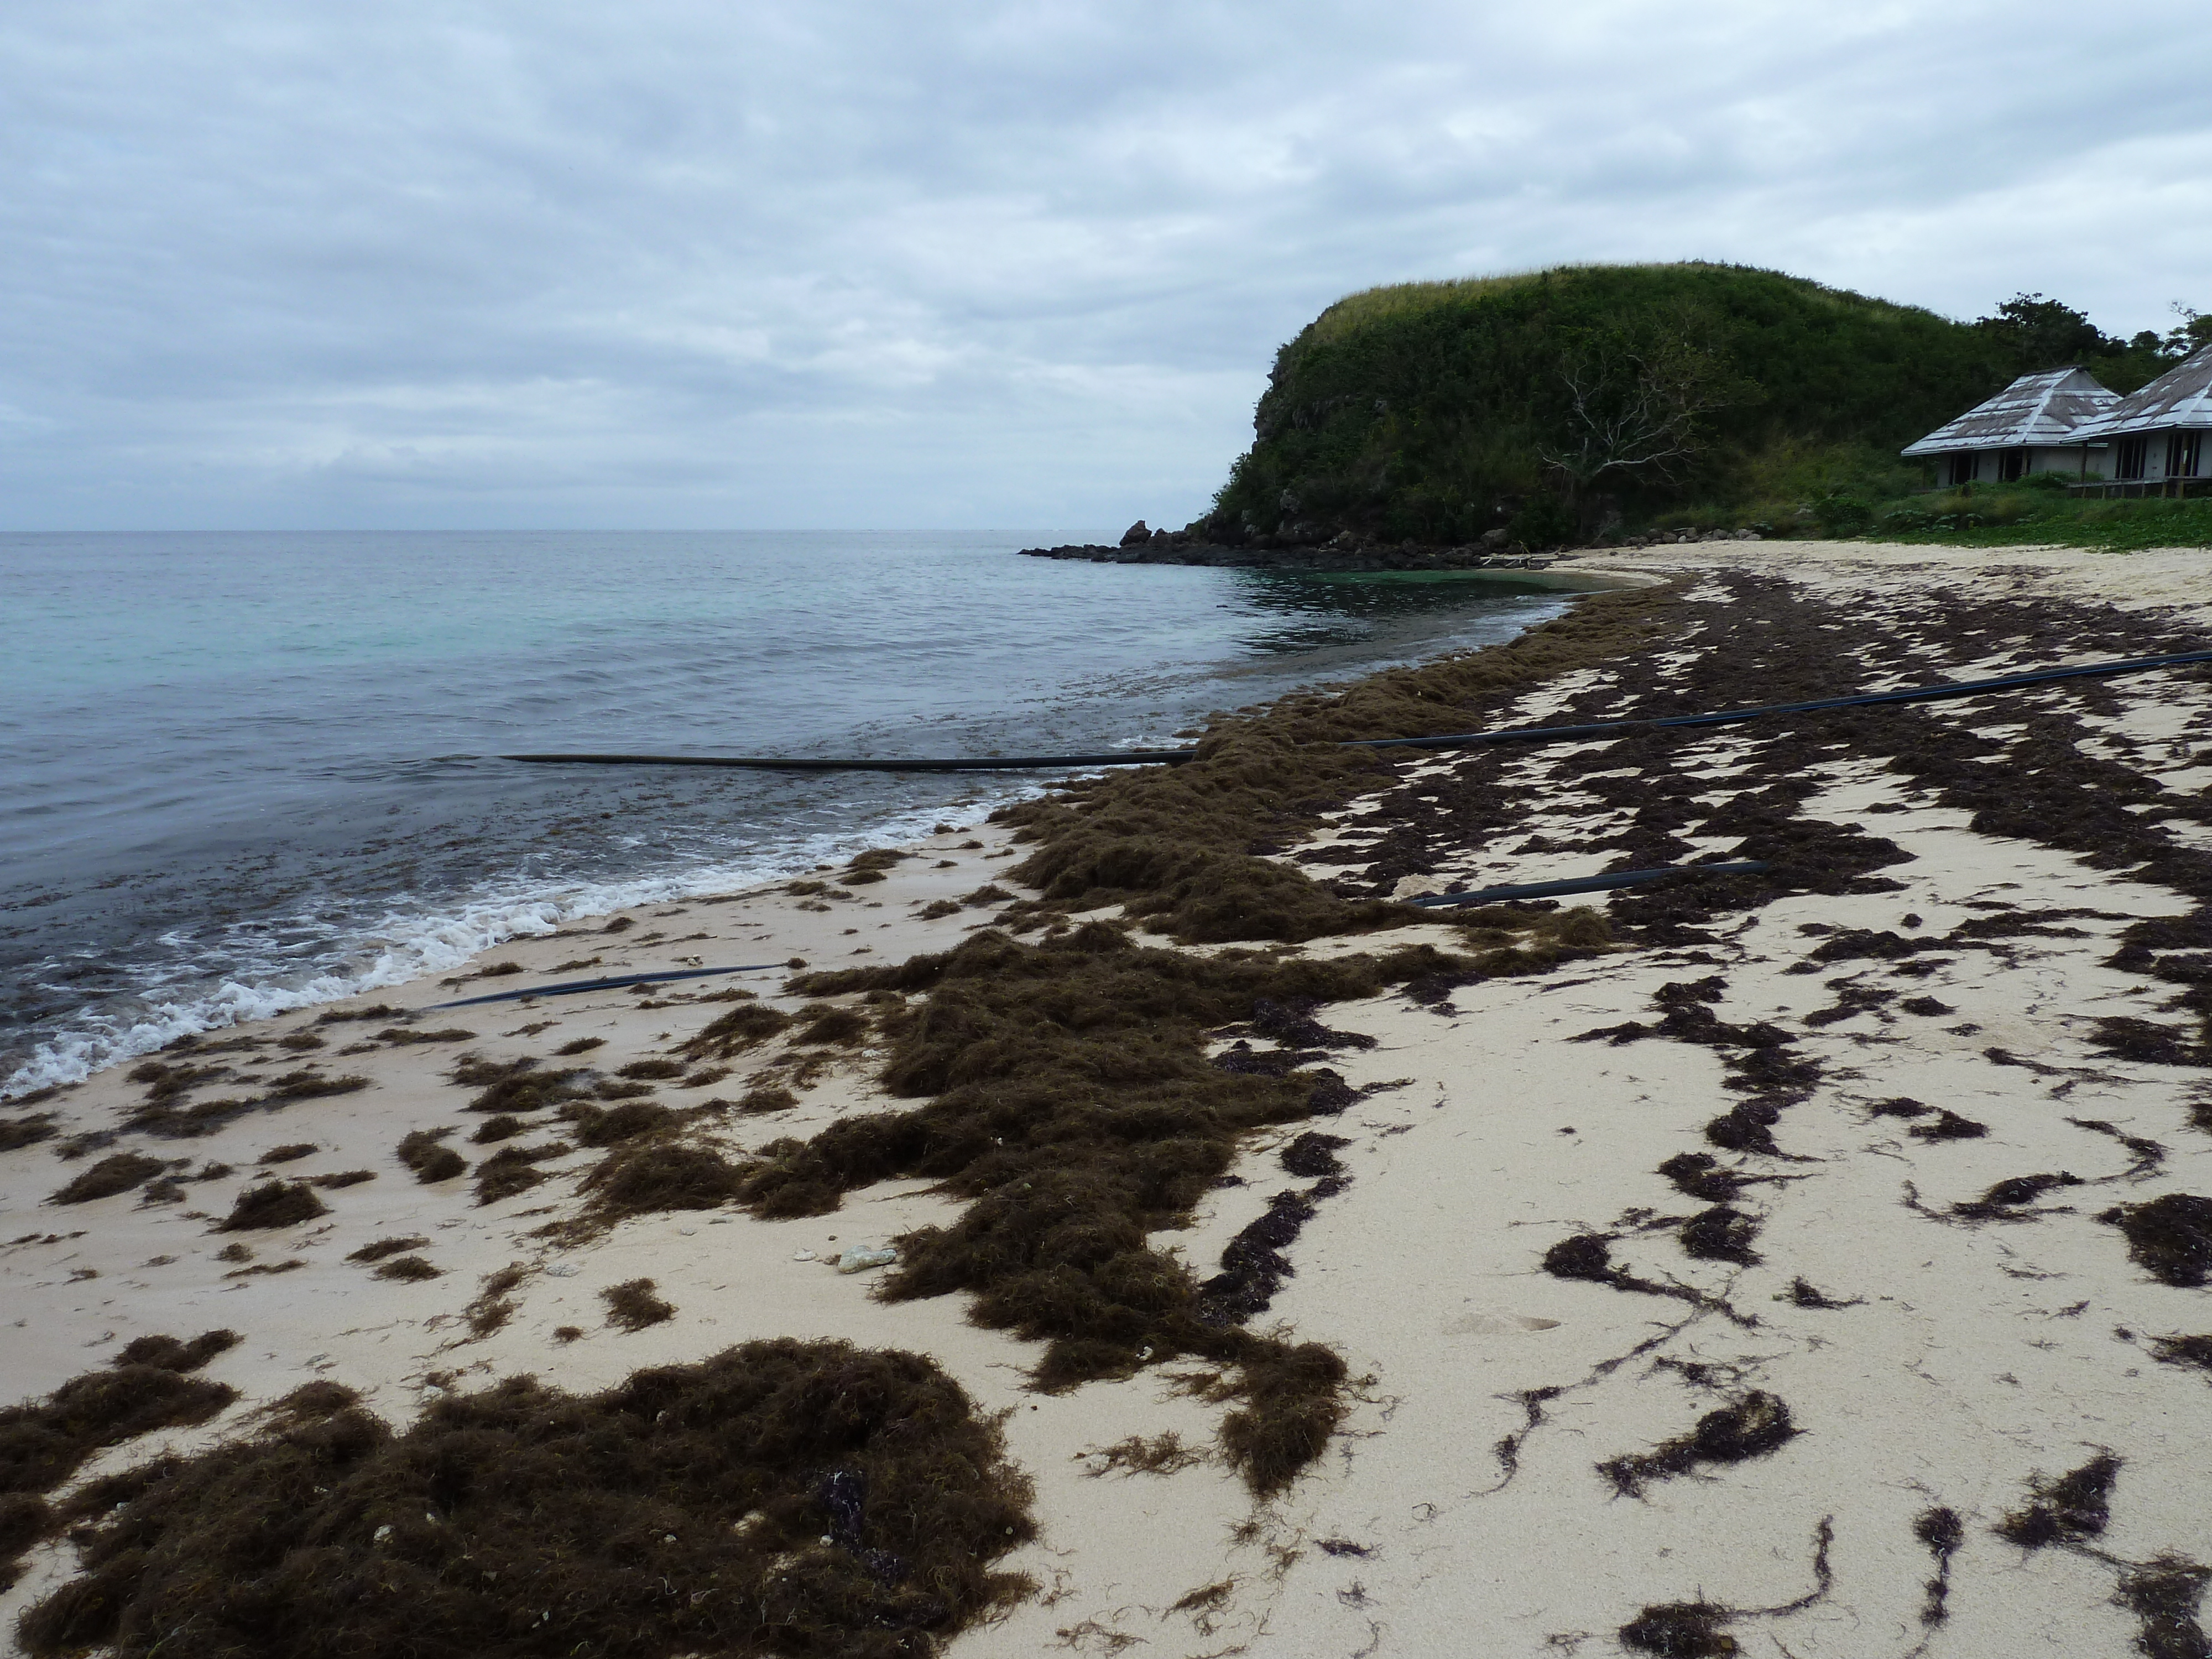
[[240, 774]]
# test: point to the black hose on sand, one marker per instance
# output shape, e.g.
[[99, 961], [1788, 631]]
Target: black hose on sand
[[1452, 740], [1579, 884], [620, 982]]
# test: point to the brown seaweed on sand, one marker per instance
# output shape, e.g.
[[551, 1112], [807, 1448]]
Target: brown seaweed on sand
[[657, 1174], [2073, 1507], [2184, 1350], [44, 1442], [2171, 1237], [273, 1203], [1941, 1530], [516, 1087], [1751, 1427], [745, 1026], [1681, 1630], [633, 1305], [431, 1162], [1073, 1108], [684, 1511], [596, 1126], [510, 1170], [2164, 1594], [118, 1173], [1698, 1630]]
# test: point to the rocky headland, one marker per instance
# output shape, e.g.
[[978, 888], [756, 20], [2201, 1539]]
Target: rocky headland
[[1348, 551]]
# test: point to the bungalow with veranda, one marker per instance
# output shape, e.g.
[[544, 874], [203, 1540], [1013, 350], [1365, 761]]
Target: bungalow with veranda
[[2036, 424], [2158, 437]]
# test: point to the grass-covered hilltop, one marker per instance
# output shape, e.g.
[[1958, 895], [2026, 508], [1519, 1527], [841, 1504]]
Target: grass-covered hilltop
[[1593, 402]]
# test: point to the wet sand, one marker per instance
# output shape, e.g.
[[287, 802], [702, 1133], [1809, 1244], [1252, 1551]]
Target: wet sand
[[1683, 1287]]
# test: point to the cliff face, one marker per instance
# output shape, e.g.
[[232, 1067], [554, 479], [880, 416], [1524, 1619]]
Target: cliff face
[[1547, 405]]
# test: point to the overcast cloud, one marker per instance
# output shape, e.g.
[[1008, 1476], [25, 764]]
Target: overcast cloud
[[856, 263]]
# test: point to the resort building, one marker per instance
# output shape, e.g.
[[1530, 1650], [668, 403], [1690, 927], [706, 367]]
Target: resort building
[[2038, 424], [2160, 437]]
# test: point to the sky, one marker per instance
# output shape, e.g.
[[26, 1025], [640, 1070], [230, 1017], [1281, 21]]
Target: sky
[[786, 264]]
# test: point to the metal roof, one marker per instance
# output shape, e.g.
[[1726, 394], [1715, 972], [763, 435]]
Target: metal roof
[[2180, 397], [2053, 407]]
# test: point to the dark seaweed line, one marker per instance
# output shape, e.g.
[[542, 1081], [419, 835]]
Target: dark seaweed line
[[1822, 705]]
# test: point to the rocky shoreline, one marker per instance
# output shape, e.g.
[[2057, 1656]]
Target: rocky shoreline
[[1349, 551]]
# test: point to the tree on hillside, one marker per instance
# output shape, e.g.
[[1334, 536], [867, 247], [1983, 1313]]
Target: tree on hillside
[[2039, 333], [1636, 409], [2046, 334], [2191, 334]]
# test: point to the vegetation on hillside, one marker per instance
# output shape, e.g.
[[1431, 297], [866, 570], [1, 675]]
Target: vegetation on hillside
[[1557, 404]]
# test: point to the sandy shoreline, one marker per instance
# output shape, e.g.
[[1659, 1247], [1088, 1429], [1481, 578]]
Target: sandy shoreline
[[1946, 1360]]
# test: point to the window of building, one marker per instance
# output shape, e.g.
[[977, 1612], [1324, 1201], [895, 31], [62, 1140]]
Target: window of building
[[2184, 451], [1962, 468], [2132, 456], [2011, 464]]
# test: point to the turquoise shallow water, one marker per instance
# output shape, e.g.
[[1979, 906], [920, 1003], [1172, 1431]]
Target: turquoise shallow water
[[242, 773]]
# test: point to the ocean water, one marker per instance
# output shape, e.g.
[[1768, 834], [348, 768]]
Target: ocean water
[[240, 774]]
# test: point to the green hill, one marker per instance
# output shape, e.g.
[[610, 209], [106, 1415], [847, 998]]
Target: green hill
[[1556, 403]]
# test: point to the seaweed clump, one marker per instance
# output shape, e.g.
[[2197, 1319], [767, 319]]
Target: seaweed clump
[[827, 1024], [1722, 1233], [1949, 1125], [27, 1131], [1694, 1630], [273, 1203], [806, 1499], [2184, 1350], [431, 1162], [111, 1175], [661, 1175], [516, 1087], [311, 1085], [169, 1354], [1681, 1630], [43, 1441], [1941, 1530], [2171, 1237], [1754, 1426], [510, 1170], [633, 1305], [2008, 1199], [745, 1026], [597, 1126], [2164, 1594], [1588, 1257], [2067, 1511]]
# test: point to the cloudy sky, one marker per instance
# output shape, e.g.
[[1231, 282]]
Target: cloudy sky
[[854, 263]]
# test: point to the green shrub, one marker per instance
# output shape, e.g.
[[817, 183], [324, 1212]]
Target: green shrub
[[1844, 515]]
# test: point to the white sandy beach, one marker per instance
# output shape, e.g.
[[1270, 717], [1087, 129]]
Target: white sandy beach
[[1966, 1357]]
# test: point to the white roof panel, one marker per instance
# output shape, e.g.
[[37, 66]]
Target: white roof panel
[[2055, 407], [2180, 397]]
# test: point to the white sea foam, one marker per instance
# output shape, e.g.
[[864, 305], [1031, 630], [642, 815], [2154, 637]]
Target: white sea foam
[[402, 947]]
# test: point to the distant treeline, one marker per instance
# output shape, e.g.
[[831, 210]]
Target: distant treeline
[[1557, 404]]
